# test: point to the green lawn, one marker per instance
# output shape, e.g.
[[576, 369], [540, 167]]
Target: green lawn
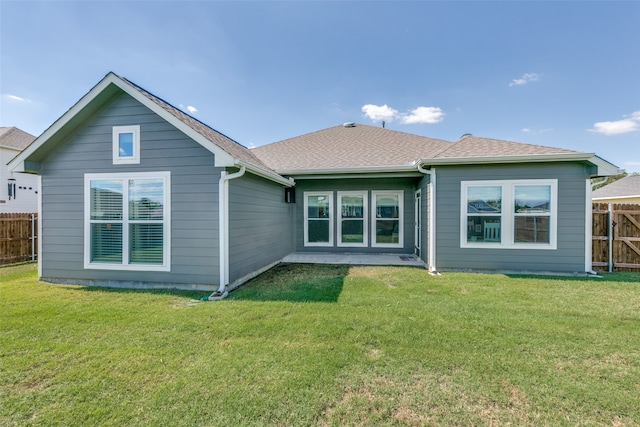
[[326, 346]]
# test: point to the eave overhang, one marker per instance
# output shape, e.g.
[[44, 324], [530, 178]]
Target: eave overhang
[[603, 167]]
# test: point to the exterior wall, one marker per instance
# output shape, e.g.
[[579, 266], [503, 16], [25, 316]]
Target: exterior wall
[[425, 189], [260, 225], [570, 253], [194, 199], [408, 185], [26, 199]]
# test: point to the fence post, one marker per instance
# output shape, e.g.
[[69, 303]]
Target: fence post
[[33, 238], [610, 237]]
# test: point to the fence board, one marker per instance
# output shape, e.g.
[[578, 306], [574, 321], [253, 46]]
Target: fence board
[[18, 237]]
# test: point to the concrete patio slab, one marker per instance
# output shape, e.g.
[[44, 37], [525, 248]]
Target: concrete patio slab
[[353, 259]]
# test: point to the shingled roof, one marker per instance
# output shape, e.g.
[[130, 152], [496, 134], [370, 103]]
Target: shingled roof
[[353, 145], [232, 147], [471, 146], [14, 138], [629, 186]]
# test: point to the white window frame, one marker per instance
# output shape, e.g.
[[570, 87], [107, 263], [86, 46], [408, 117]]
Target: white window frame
[[374, 219], [329, 195], [365, 215], [125, 265], [120, 160], [508, 215]]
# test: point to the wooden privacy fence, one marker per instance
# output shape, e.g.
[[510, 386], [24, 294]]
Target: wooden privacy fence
[[18, 237], [616, 237]]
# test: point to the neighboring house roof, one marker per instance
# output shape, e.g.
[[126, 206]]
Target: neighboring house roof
[[357, 147], [14, 138], [629, 186], [226, 151]]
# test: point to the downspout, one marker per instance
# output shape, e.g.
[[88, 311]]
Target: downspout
[[432, 216], [223, 231]]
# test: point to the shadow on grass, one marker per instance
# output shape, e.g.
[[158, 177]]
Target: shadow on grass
[[295, 283], [631, 277], [159, 291]]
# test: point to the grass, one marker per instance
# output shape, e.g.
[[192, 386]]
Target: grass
[[325, 346]]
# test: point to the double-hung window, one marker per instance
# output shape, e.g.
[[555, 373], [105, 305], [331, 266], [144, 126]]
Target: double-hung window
[[318, 218], [518, 214], [352, 221], [127, 220], [387, 224]]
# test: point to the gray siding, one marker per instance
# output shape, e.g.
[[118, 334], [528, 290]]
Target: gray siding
[[407, 185], [194, 198], [570, 252], [260, 225]]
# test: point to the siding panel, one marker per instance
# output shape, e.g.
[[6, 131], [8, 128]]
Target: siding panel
[[260, 225], [570, 252], [194, 184]]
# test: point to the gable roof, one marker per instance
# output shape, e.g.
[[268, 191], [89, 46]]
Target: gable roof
[[14, 138], [354, 147], [227, 152], [629, 186]]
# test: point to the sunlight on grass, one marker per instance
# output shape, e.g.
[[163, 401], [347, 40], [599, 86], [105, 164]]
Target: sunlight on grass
[[326, 346]]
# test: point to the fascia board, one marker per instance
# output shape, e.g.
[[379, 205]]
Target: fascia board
[[350, 171], [18, 161], [222, 158], [604, 168], [615, 197], [507, 159], [272, 176]]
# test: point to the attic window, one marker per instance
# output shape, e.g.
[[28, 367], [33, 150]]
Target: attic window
[[126, 145]]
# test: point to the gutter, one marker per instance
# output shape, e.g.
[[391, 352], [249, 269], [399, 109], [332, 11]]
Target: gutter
[[223, 231], [432, 216]]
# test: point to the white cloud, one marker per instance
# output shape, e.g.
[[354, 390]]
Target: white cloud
[[526, 78], [379, 112], [190, 108], [423, 115], [418, 115], [17, 98], [630, 123]]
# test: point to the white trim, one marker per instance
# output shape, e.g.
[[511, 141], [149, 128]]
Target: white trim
[[417, 223], [223, 225], [508, 216], [365, 214], [588, 228], [40, 237], [221, 157], [124, 177], [328, 194], [117, 158], [374, 219]]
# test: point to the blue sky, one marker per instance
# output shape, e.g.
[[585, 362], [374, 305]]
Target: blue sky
[[564, 74]]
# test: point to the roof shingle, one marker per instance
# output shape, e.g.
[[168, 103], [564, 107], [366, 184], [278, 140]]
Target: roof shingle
[[14, 138], [625, 187], [359, 146]]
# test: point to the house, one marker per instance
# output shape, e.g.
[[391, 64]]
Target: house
[[625, 190], [18, 191], [137, 193]]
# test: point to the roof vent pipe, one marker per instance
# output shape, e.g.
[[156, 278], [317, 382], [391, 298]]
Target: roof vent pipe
[[349, 124]]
